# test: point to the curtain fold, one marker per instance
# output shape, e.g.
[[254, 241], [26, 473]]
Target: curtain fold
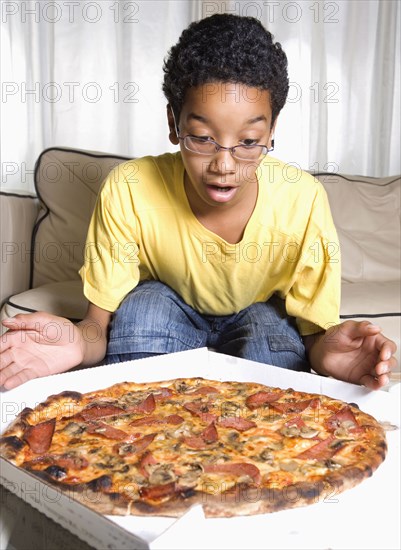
[[89, 76]]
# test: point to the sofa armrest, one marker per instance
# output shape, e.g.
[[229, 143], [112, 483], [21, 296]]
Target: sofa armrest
[[19, 212]]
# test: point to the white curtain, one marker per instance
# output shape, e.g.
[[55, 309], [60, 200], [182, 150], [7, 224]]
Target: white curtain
[[88, 75], [343, 112]]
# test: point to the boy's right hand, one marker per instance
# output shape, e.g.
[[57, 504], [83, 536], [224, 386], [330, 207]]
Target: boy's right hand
[[38, 344]]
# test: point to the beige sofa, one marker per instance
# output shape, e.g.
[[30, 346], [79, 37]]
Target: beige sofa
[[43, 239]]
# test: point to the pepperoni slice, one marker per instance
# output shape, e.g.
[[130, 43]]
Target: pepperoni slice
[[237, 423], [100, 410], [296, 421], [295, 406], [261, 398], [141, 444], [201, 410], [210, 434], [147, 460], [147, 406], [164, 393], [323, 450], [66, 461], [345, 414], [174, 419], [39, 437], [234, 468], [105, 430], [130, 448], [201, 441], [195, 442], [147, 421], [158, 492]]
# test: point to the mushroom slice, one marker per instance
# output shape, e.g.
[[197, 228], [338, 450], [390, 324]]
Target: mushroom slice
[[290, 431], [308, 432], [162, 475], [190, 473]]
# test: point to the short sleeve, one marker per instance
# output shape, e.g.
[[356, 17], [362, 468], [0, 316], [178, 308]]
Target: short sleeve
[[314, 298], [111, 262]]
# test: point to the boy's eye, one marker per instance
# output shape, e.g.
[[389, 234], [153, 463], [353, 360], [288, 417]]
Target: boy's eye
[[249, 142], [202, 138]]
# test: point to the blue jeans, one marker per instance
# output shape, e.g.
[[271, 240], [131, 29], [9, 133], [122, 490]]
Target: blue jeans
[[153, 320]]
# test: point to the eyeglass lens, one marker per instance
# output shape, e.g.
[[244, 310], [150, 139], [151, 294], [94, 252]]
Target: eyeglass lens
[[205, 147]]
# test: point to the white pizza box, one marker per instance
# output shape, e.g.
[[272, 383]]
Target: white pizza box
[[366, 516]]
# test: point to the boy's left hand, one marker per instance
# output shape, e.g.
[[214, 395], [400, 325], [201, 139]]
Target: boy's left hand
[[355, 352]]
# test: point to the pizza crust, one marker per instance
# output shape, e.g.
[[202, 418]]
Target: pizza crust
[[187, 420]]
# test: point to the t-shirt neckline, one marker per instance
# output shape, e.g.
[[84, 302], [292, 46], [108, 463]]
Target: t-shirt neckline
[[197, 224]]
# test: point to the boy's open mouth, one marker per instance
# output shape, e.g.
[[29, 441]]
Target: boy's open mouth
[[219, 193], [223, 189]]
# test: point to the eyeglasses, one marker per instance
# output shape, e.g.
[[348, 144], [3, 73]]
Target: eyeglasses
[[207, 146]]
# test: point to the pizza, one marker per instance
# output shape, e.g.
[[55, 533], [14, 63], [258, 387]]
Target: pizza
[[236, 448]]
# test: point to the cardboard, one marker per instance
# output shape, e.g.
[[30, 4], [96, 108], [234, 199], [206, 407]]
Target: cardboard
[[366, 516]]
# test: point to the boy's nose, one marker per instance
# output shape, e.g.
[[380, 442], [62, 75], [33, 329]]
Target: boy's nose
[[223, 161]]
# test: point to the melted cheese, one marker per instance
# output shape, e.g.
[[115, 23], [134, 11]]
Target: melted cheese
[[264, 446]]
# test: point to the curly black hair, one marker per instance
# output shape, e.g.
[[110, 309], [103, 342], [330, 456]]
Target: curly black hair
[[226, 48]]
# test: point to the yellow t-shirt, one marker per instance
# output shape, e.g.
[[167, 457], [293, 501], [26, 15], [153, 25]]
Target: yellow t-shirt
[[143, 228]]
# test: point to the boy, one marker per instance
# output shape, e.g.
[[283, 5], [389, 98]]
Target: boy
[[218, 245]]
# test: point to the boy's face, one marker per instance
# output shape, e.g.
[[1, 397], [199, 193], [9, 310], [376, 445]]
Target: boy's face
[[230, 114]]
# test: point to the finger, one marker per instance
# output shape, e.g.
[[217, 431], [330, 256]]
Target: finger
[[352, 333], [386, 347], [385, 367], [19, 378], [12, 369], [374, 383], [378, 375], [360, 329], [5, 342], [16, 322], [6, 358], [24, 321], [15, 338]]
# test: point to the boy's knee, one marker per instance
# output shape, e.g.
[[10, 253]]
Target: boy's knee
[[145, 297], [153, 310]]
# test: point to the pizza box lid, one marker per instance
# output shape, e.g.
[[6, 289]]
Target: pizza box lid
[[366, 516]]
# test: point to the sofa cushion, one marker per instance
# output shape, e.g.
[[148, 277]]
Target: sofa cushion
[[67, 183], [18, 213], [64, 299], [366, 212], [371, 298], [377, 302]]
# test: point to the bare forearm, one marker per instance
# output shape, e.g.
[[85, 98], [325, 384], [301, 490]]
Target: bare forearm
[[93, 333], [94, 343], [314, 350]]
